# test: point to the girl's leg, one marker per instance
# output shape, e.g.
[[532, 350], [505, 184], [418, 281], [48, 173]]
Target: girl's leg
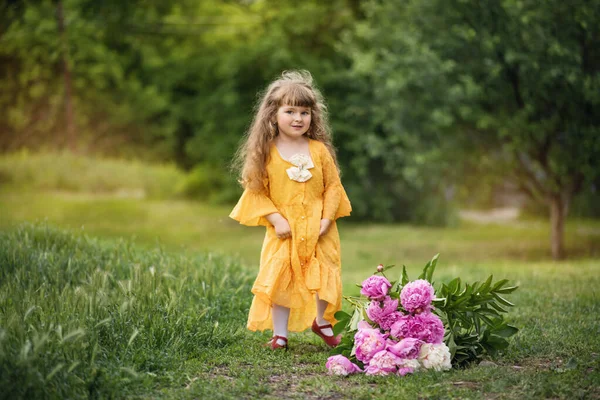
[[321, 306], [280, 316]]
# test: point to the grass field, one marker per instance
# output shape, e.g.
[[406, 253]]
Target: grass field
[[108, 296]]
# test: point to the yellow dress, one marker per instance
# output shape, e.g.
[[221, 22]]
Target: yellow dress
[[293, 270]]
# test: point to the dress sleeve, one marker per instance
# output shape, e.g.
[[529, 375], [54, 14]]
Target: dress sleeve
[[252, 208], [335, 201]]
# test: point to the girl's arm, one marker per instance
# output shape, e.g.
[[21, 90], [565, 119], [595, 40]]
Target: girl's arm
[[281, 225], [335, 200]]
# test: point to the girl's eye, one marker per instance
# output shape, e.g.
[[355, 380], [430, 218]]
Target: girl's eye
[[305, 113]]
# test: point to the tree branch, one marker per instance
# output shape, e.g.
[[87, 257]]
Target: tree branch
[[531, 178]]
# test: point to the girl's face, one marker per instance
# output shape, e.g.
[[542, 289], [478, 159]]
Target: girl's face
[[293, 121]]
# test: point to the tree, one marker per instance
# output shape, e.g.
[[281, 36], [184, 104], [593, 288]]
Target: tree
[[512, 81]]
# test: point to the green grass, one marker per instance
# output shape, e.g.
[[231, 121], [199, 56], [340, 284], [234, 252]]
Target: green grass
[[76, 173], [109, 295], [85, 317], [184, 225]]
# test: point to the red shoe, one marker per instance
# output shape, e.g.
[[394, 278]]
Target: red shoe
[[274, 345], [331, 341]]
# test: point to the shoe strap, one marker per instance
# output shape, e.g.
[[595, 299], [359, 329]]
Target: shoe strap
[[275, 338]]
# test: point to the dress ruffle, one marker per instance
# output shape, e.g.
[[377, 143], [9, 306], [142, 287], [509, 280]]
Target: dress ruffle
[[336, 203], [252, 208], [276, 284]]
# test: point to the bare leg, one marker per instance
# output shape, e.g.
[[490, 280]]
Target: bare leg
[[281, 316], [321, 306]]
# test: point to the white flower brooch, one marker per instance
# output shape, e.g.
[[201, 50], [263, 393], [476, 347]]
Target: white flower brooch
[[300, 172]]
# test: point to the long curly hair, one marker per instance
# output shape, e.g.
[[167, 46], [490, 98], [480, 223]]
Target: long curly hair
[[293, 88]]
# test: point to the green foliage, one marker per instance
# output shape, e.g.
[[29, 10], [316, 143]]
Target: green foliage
[[84, 318], [118, 105], [210, 184], [432, 103], [473, 317], [470, 89]]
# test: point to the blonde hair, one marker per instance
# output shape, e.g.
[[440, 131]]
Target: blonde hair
[[293, 88]]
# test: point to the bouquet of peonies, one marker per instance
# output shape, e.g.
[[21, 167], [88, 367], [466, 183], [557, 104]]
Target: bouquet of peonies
[[397, 332]]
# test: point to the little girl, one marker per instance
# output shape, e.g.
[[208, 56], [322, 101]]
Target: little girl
[[289, 171]]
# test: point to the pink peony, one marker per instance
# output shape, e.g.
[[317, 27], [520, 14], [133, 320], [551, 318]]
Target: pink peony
[[406, 348], [428, 327], [387, 321], [367, 342], [382, 363], [416, 296], [401, 327], [340, 365], [379, 309], [405, 370], [375, 287], [364, 325]]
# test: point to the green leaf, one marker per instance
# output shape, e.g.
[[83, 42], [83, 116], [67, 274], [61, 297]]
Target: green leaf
[[454, 286], [488, 311], [499, 284], [356, 318], [404, 280], [487, 320], [477, 323], [506, 332], [502, 300], [451, 345], [431, 267], [497, 342], [507, 290], [498, 307], [342, 315], [339, 327], [440, 302], [486, 286]]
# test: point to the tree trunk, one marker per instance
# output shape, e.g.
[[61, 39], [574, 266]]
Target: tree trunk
[[69, 116], [558, 213]]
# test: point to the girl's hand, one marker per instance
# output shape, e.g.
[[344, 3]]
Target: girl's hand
[[281, 225], [282, 229], [325, 224]]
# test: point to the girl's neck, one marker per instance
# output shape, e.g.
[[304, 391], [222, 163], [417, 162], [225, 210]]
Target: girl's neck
[[288, 141]]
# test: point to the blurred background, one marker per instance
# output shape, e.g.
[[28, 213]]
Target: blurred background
[[123, 116]]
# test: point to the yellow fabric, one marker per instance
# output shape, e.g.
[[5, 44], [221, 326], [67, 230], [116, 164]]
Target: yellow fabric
[[293, 270]]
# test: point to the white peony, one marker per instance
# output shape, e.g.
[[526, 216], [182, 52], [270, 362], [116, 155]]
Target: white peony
[[409, 363], [436, 356]]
